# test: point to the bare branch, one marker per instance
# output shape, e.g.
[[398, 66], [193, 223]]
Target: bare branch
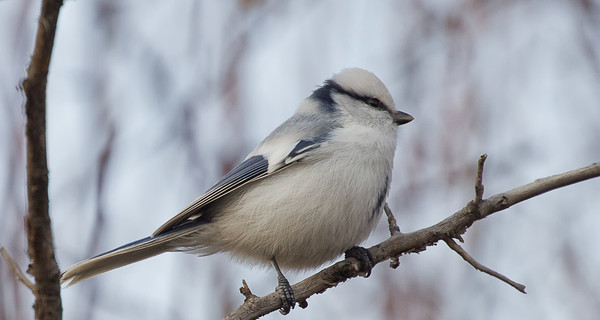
[[461, 252], [401, 243], [504, 200], [14, 268]]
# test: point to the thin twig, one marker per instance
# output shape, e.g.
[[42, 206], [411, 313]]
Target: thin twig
[[245, 290], [506, 199], [479, 179], [461, 252], [14, 268], [394, 230]]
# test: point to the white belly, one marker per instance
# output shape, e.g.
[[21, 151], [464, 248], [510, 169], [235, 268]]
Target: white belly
[[320, 211]]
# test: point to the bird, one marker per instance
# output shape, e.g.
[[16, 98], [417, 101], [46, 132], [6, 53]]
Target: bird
[[312, 190]]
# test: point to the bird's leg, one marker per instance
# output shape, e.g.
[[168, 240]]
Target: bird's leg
[[364, 258], [286, 294]]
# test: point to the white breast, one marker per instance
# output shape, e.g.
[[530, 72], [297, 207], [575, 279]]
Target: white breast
[[308, 213]]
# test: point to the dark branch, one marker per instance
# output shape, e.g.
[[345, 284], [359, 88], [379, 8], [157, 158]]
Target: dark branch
[[43, 265], [402, 243]]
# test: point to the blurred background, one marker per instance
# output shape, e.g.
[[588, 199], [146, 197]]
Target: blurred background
[[150, 102]]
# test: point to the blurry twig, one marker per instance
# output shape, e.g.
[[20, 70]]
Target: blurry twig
[[14, 268], [40, 246], [461, 252]]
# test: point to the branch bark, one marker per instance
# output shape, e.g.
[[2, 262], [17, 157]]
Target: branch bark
[[43, 265], [402, 243]]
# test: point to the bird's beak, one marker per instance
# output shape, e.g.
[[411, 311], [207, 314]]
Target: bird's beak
[[401, 118]]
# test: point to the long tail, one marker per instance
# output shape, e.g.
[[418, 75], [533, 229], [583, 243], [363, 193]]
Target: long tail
[[121, 256]]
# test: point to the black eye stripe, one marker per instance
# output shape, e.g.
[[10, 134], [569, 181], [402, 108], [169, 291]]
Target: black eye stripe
[[372, 101], [376, 103]]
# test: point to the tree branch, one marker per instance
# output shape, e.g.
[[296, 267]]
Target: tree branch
[[402, 243], [43, 265], [462, 252]]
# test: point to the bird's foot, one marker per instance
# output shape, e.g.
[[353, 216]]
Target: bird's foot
[[364, 258], [286, 295]]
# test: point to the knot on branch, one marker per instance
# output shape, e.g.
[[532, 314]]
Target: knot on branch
[[245, 290], [503, 202], [474, 209]]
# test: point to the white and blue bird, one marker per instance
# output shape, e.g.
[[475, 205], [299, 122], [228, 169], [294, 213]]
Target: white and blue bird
[[310, 191]]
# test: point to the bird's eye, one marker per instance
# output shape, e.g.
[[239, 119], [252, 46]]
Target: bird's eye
[[375, 103]]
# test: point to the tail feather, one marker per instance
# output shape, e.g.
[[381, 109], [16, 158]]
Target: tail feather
[[121, 256]]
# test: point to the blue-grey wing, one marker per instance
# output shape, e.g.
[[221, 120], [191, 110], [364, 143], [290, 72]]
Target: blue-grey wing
[[251, 169], [268, 158]]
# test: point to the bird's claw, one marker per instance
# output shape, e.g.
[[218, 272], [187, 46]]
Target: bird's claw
[[364, 257], [286, 295]]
